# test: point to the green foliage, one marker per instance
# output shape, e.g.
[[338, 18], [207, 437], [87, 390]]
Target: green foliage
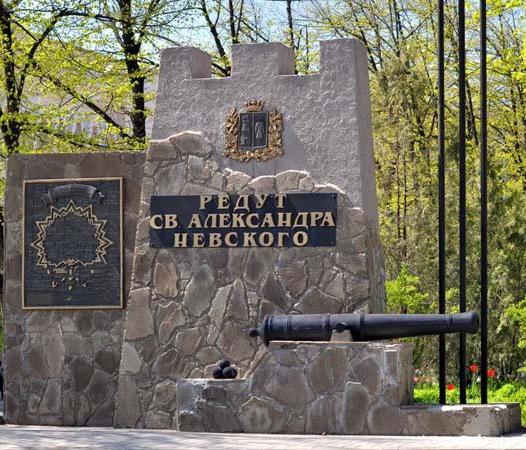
[[515, 319], [400, 37], [403, 294], [426, 394]]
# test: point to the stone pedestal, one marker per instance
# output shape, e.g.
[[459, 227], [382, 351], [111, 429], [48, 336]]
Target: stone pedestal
[[334, 388]]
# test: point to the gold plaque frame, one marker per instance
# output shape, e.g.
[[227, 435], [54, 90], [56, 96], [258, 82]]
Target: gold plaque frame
[[121, 241], [274, 146]]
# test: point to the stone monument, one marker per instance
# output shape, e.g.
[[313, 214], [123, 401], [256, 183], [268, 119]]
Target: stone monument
[[190, 307], [128, 276]]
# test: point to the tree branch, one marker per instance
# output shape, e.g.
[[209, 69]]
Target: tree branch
[[85, 101], [31, 54]]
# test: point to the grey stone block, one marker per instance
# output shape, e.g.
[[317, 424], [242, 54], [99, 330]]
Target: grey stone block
[[274, 292], [158, 419], [165, 276], [51, 401], [290, 387], [355, 407], [171, 364], [236, 181], [260, 416], [319, 417], [81, 370], [188, 341], [183, 63], [384, 419], [128, 409], [139, 320], [262, 60], [364, 370], [468, 420], [199, 290], [314, 301], [131, 361], [99, 387], [107, 360]]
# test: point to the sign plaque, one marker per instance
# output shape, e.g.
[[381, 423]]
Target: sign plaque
[[258, 220], [72, 244]]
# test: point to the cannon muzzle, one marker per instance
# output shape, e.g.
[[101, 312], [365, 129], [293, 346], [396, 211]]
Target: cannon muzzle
[[362, 327]]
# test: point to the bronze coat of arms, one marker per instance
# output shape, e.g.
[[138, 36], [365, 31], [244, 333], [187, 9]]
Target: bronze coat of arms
[[253, 133]]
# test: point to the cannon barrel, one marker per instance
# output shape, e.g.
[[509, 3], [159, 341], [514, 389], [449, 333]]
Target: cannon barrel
[[362, 327]]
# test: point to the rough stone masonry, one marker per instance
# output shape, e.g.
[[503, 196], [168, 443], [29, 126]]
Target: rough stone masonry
[[189, 307], [334, 388]]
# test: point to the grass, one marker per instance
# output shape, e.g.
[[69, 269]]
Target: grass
[[509, 392]]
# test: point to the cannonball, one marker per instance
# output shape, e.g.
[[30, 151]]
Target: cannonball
[[229, 372], [223, 363], [218, 373]]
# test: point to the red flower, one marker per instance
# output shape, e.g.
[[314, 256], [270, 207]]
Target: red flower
[[415, 379], [473, 368], [450, 387], [492, 373]]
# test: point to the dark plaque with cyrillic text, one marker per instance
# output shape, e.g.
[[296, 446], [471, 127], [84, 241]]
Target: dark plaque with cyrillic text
[[72, 252], [250, 220]]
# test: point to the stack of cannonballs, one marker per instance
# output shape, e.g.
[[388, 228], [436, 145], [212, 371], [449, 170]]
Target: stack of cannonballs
[[223, 370]]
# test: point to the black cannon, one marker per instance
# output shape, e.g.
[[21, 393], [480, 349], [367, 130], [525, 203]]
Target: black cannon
[[363, 327]]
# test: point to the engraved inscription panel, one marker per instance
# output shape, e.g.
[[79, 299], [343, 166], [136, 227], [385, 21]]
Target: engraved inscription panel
[[72, 251]]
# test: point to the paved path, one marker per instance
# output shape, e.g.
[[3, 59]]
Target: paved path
[[36, 437]]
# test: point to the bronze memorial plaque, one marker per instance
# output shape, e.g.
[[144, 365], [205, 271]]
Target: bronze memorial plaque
[[72, 244]]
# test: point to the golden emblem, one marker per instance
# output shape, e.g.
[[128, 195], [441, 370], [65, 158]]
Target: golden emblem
[[253, 133]]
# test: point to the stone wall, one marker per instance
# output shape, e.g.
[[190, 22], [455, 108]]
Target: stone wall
[[334, 388], [190, 307], [61, 366], [306, 387]]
